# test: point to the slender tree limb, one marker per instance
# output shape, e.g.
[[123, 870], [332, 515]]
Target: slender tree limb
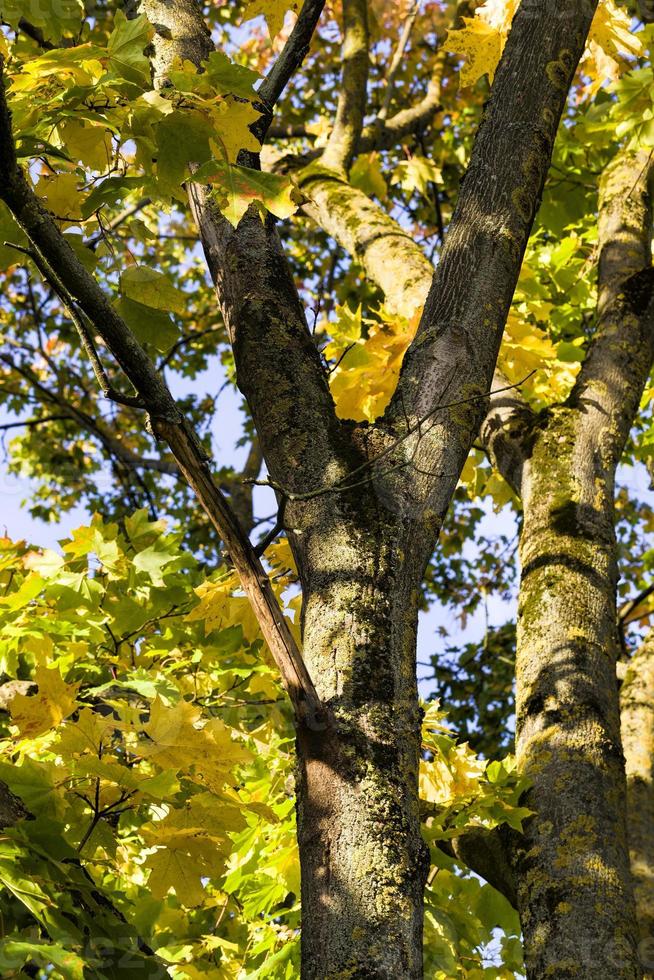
[[166, 419], [293, 54], [632, 604], [240, 490], [113, 446], [404, 123], [352, 100], [34, 423], [116, 222], [29, 30], [395, 63], [387, 253]]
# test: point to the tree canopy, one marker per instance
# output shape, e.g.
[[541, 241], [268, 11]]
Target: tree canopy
[[416, 238]]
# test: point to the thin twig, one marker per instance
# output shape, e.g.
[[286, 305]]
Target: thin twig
[[394, 66], [32, 423]]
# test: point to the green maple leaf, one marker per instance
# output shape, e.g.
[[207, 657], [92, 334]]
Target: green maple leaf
[[153, 289], [125, 48], [236, 188]]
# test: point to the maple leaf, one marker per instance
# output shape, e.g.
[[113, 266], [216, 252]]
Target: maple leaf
[[85, 734], [369, 366], [88, 143], [62, 18], [609, 40], [451, 776], [232, 128], [152, 288], [191, 844], [125, 49], [236, 188], [482, 39], [179, 745], [61, 194], [274, 12], [54, 701], [218, 608]]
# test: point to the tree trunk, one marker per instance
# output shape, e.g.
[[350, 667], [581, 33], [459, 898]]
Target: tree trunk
[[637, 702], [572, 866], [364, 863]]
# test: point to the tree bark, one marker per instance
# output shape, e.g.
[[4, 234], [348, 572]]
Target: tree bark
[[637, 719], [572, 865], [362, 554], [575, 893], [364, 863]]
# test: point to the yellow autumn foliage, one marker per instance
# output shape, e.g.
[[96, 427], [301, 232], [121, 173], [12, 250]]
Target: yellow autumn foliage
[[481, 42]]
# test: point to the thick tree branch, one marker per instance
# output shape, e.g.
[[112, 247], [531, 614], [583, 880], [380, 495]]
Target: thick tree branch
[[386, 252], [350, 110], [273, 349], [505, 432], [611, 379], [486, 852], [57, 257], [458, 339], [637, 726]]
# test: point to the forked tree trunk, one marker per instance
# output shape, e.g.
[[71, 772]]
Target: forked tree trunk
[[364, 863], [572, 866]]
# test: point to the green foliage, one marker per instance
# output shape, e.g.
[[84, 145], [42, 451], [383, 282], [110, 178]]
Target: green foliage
[[147, 736]]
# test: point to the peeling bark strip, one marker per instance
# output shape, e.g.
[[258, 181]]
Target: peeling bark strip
[[66, 274]]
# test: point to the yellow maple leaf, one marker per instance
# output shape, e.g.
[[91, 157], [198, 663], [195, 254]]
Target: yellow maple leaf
[[451, 777], [526, 348], [609, 40], [61, 195], [232, 128], [482, 39], [54, 701], [88, 144], [85, 734], [274, 12], [219, 608], [192, 844], [173, 867], [177, 742], [367, 366]]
